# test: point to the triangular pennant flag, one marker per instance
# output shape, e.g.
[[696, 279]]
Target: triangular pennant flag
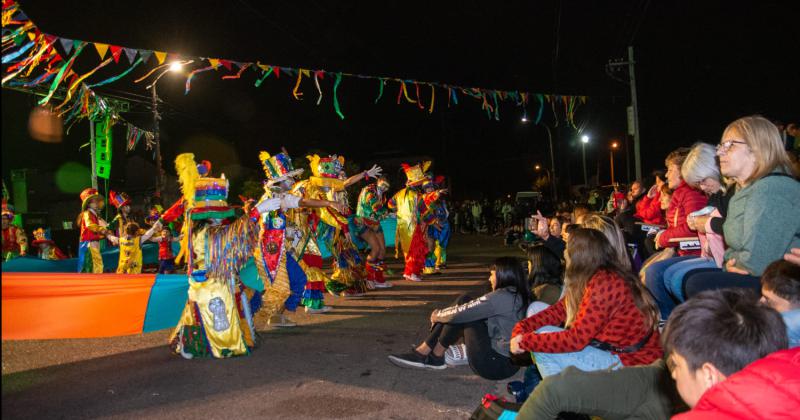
[[31, 35], [130, 53], [226, 64], [50, 38], [101, 49], [214, 62], [116, 51], [277, 72], [160, 56], [66, 44], [145, 54], [76, 43], [21, 16], [237, 64]]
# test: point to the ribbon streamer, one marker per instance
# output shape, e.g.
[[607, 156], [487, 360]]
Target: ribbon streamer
[[317, 76], [267, 72], [239, 73], [419, 101], [61, 73], [541, 108], [381, 82], [405, 92], [335, 95], [138, 61], [74, 85], [298, 95], [10, 57], [193, 73], [433, 98]]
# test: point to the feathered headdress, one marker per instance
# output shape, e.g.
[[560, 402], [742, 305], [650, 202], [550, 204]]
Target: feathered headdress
[[327, 167], [187, 176]]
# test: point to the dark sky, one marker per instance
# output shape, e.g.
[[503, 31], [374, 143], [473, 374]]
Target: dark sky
[[700, 65]]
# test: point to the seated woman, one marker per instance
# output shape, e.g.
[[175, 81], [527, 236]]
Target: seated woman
[[685, 200], [544, 277], [484, 324], [762, 223], [699, 170], [613, 233], [610, 319]]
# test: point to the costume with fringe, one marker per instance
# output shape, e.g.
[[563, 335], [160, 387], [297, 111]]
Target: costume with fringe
[[15, 242], [334, 228], [438, 231], [217, 320], [92, 230], [371, 208]]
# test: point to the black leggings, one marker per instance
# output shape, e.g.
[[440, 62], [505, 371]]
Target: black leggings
[[483, 360]]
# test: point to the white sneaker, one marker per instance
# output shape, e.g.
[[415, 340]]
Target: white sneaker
[[280, 320], [412, 277], [371, 285], [321, 310], [384, 285], [456, 355]]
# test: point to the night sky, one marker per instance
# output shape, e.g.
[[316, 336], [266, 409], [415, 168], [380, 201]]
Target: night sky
[[700, 65]]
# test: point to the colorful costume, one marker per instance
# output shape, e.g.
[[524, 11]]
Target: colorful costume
[[130, 250], [92, 229], [217, 319], [47, 248], [412, 214], [119, 221], [371, 208], [15, 242], [333, 228], [438, 231]]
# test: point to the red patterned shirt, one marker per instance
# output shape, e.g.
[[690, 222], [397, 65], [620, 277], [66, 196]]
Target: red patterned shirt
[[606, 313]]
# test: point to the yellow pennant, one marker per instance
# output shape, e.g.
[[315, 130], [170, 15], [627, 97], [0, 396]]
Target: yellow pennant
[[101, 49], [214, 62], [160, 56]]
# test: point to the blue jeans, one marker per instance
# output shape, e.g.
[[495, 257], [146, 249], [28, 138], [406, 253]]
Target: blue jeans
[[588, 359], [673, 275], [654, 279]]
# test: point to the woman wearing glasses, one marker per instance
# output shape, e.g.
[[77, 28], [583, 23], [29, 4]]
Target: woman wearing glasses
[[763, 220]]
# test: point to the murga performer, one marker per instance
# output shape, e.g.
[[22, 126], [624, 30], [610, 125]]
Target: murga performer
[[438, 234], [371, 208]]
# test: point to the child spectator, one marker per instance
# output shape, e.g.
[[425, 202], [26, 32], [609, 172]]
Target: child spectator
[[780, 290], [484, 324], [544, 277], [130, 247], [610, 319], [714, 342], [47, 248], [762, 222]]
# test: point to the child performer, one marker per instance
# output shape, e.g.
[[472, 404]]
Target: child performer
[[92, 229], [130, 247]]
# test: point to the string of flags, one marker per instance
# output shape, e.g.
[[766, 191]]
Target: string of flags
[[26, 49]]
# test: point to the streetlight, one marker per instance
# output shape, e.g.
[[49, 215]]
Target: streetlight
[[584, 140], [174, 67], [614, 146], [524, 120]]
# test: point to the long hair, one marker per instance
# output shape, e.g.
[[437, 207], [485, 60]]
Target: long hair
[[613, 233], [588, 251], [545, 267], [509, 273]]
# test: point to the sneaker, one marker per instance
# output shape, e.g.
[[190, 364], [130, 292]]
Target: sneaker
[[321, 310], [371, 285], [349, 293], [412, 277], [414, 360], [456, 355], [384, 285], [281, 321]]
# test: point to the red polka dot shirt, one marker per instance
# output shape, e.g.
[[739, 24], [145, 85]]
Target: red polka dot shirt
[[606, 313]]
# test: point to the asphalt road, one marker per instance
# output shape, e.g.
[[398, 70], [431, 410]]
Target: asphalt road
[[330, 366]]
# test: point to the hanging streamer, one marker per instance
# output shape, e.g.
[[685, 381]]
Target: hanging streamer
[[60, 75], [298, 95], [138, 61], [10, 57], [433, 98], [405, 92], [541, 108], [239, 73], [381, 82], [335, 95], [496, 107], [266, 74], [74, 85], [419, 101], [318, 75], [193, 73]]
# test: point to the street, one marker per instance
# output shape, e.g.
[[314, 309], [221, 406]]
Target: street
[[330, 366]]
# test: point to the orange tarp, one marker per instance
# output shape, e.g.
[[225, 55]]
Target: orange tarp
[[72, 305]]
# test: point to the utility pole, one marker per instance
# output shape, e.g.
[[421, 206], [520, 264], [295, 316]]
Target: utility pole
[[157, 138], [93, 153], [634, 121]]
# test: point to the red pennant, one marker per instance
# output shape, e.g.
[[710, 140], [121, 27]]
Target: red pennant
[[226, 64], [277, 72], [116, 51]]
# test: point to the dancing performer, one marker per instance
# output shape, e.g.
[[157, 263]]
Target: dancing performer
[[15, 242], [438, 234], [217, 320], [329, 183], [130, 247], [47, 248], [371, 209], [92, 230], [122, 202], [286, 244]]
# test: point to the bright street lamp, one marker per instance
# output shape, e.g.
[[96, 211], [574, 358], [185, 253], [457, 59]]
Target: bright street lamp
[[584, 140]]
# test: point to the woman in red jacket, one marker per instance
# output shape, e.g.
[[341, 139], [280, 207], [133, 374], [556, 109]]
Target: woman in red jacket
[[685, 200], [648, 209], [611, 321]]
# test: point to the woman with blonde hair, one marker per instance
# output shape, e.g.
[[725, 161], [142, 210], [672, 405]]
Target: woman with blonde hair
[[610, 319], [763, 220], [613, 233]]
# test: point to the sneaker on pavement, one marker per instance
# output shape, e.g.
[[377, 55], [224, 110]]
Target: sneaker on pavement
[[415, 360], [456, 355], [412, 277], [281, 321], [371, 284], [384, 285], [321, 310]]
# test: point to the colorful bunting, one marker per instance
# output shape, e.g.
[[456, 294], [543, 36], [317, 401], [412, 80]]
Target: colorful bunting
[[116, 51], [160, 56], [145, 55], [66, 44], [101, 49], [130, 53]]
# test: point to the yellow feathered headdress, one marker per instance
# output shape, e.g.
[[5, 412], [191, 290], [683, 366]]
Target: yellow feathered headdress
[[188, 175]]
